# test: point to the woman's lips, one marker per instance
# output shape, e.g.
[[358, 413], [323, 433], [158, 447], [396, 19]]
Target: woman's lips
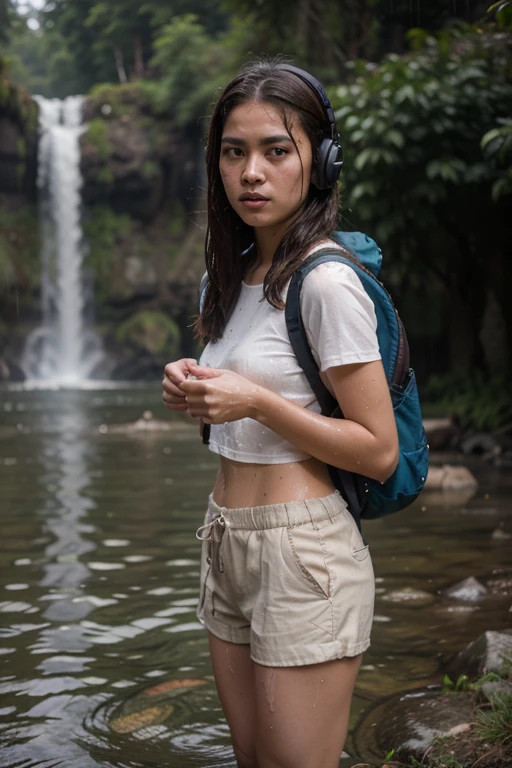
[[254, 202]]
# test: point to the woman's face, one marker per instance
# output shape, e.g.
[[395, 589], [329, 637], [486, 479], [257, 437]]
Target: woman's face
[[265, 179]]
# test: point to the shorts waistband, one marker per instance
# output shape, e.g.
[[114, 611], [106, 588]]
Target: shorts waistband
[[285, 514]]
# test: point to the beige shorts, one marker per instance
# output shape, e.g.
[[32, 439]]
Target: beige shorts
[[294, 581]]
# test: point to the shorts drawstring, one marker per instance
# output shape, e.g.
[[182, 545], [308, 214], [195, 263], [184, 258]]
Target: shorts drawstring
[[213, 532]]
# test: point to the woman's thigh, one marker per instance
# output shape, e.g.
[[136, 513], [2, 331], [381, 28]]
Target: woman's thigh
[[302, 713], [234, 677]]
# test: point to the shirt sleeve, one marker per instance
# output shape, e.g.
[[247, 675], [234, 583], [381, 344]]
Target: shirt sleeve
[[339, 317]]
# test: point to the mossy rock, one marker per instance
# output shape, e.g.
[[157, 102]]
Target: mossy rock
[[151, 332]]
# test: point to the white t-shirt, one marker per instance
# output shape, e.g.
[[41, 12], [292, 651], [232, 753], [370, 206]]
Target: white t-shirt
[[340, 322]]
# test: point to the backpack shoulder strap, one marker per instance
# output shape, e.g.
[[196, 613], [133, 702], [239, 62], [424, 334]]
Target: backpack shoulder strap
[[297, 331]]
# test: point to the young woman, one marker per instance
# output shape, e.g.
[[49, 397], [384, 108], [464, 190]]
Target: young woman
[[287, 583]]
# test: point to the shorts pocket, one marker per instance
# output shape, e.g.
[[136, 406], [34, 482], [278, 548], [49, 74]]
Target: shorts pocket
[[361, 553], [309, 557], [358, 548]]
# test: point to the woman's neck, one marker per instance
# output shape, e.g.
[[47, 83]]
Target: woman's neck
[[266, 242]]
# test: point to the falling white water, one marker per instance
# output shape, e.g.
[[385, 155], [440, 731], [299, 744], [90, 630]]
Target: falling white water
[[63, 350]]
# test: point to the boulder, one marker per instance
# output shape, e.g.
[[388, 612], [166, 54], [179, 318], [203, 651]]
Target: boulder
[[450, 478], [485, 654], [412, 722], [441, 433], [480, 443]]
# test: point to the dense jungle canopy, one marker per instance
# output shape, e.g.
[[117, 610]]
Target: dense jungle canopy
[[423, 96]]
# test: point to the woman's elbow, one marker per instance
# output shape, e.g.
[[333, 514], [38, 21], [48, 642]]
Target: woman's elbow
[[387, 463]]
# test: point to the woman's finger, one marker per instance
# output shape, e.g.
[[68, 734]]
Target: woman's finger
[[204, 372], [171, 388]]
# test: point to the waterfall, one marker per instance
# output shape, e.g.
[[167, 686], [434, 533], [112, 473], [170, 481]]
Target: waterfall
[[63, 350]]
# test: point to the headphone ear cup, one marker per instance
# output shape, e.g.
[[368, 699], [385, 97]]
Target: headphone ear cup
[[328, 165]]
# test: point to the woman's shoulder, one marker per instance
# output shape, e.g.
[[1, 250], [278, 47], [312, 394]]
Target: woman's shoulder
[[330, 274]]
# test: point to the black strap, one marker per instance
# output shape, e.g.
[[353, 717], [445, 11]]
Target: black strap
[[351, 486], [297, 331]]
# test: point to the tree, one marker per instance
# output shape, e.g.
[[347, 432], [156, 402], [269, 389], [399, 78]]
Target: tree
[[6, 16], [417, 178]]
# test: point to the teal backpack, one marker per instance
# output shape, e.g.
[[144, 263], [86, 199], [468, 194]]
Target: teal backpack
[[367, 498]]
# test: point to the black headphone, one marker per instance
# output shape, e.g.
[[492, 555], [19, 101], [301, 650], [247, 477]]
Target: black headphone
[[330, 153]]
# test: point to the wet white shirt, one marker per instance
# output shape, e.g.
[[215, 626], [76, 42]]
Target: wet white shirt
[[341, 326]]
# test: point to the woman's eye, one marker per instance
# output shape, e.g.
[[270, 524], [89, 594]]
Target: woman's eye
[[234, 152], [278, 151]]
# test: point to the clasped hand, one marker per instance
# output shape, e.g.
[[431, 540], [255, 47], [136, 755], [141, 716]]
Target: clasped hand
[[211, 394]]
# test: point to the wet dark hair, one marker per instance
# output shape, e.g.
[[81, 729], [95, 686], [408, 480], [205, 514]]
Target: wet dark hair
[[228, 239]]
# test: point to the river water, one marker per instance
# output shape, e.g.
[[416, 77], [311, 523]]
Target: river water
[[103, 660]]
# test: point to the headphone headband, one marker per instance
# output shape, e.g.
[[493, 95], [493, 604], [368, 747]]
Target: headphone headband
[[329, 160], [319, 90]]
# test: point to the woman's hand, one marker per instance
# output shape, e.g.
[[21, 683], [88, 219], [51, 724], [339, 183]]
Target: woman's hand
[[217, 396], [174, 374]]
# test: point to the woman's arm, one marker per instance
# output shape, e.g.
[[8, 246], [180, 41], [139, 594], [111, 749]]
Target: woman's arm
[[365, 441]]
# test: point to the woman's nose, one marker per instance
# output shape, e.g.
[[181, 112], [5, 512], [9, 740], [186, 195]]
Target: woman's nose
[[253, 171]]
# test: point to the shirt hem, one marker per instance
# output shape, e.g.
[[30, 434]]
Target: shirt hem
[[370, 357], [257, 458]]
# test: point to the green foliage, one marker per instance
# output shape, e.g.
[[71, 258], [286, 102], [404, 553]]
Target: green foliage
[[97, 135], [417, 178], [19, 246], [412, 128], [480, 402], [151, 332], [464, 683], [186, 57], [7, 16], [497, 148], [149, 169], [503, 11], [103, 229]]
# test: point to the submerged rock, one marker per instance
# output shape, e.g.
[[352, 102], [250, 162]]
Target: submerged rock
[[409, 595], [469, 589], [137, 720]]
